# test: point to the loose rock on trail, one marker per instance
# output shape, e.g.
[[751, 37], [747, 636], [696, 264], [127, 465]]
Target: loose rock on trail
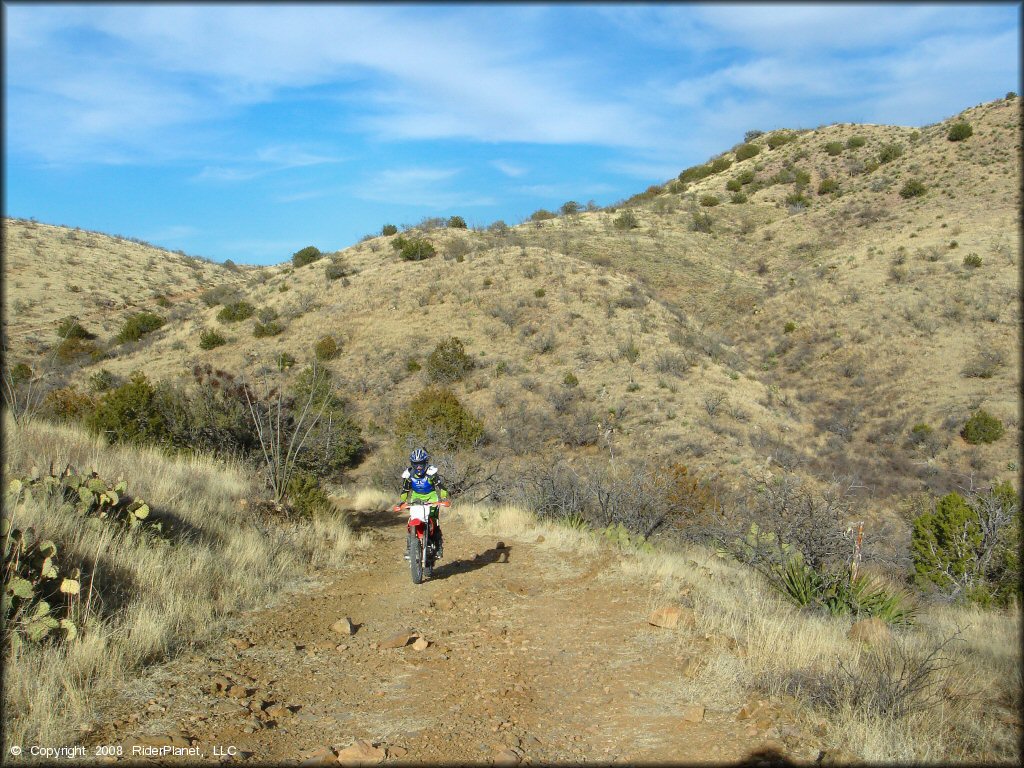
[[518, 653]]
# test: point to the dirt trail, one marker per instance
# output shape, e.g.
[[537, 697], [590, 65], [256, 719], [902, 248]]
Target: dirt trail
[[535, 655]]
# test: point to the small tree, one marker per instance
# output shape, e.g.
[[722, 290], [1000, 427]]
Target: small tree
[[967, 546], [138, 325], [457, 222], [626, 220], [307, 255], [912, 188], [326, 348], [236, 311], [959, 131], [982, 427], [437, 417], [449, 361], [389, 229], [747, 151]]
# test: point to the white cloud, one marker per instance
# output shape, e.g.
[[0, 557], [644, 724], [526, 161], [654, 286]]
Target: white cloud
[[427, 187], [266, 160], [509, 169]]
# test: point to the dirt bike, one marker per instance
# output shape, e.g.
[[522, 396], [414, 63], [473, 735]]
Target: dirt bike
[[421, 528]]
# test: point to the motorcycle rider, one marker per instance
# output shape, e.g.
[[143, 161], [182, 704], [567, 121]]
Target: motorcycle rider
[[421, 482]]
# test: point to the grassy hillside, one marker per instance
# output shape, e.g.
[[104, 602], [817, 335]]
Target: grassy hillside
[[794, 308], [814, 334]]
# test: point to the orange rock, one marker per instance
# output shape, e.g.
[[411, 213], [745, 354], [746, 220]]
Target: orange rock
[[361, 752]]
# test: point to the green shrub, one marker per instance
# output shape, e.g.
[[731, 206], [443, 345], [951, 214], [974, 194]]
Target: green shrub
[[789, 327], [569, 380], [797, 200], [539, 293], [449, 361], [982, 427], [959, 131], [569, 208], [972, 260], [720, 164], [20, 373], [307, 255], [414, 248], [284, 361], [103, 381], [326, 348], [436, 417], [456, 222], [210, 339], [834, 148], [912, 188], [738, 197], [855, 141], [801, 177], [236, 311], [889, 152], [138, 325], [130, 413], [701, 221], [746, 177], [542, 214], [270, 328], [709, 201], [389, 229], [777, 139], [336, 270], [734, 185], [412, 365], [220, 294], [69, 350], [305, 497], [695, 173], [335, 441], [968, 548], [1011, 95], [827, 186], [162, 301], [626, 220], [747, 151], [921, 434], [70, 328]]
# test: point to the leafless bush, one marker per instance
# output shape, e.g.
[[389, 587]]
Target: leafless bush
[[985, 363], [713, 401], [672, 362], [891, 681]]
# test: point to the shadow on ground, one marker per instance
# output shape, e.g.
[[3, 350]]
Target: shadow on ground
[[500, 554], [377, 519]]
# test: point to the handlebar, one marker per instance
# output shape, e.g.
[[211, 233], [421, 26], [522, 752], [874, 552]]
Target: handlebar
[[405, 505]]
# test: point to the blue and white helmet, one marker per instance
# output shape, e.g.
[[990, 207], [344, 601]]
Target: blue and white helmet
[[418, 459]]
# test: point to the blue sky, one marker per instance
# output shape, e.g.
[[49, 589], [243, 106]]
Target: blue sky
[[249, 131]]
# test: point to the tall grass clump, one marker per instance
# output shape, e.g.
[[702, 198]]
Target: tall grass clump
[[144, 597]]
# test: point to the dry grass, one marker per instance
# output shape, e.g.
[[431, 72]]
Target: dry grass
[[148, 599], [768, 648]]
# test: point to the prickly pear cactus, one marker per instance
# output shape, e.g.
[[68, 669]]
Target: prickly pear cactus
[[37, 600], [39, 593]]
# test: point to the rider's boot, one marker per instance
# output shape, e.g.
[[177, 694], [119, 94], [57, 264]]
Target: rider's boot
[[440, 542]]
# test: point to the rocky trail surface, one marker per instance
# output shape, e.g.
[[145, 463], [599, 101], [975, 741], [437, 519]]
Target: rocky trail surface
[[515, 652]]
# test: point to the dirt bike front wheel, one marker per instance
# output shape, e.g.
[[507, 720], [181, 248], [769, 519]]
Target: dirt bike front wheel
[[415, 558]]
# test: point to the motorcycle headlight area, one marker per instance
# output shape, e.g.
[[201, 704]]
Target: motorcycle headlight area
[[419, 512]]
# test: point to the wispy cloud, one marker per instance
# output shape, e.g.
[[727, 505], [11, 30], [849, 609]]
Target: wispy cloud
[[265, 160], [430, 187], [509, 169]]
